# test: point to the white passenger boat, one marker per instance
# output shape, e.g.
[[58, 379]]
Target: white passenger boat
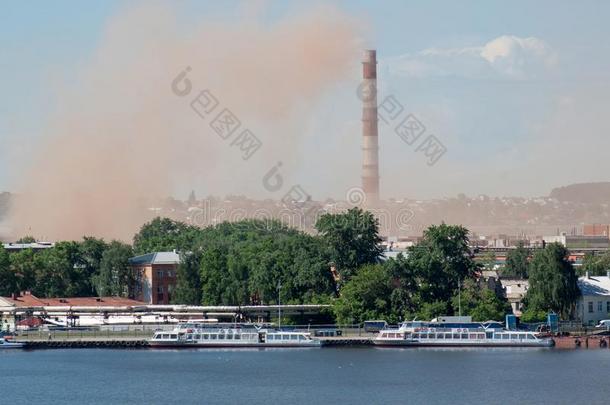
[[191, 335], [7, 344], [461, 334]]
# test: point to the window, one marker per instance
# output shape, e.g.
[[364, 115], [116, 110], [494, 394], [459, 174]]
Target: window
[[197, 337], [590, 307], [294, 337], [608, 306], [173, 336], [464, 335], [159, 273], [213, 337], [237, 337], [206, 336], [599, 306]]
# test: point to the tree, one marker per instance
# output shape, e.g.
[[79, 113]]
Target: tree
[[164, 234], [53, 270], [188, 282], [366, 296], [91, 251], [595, 265], [479, 302], [352, 239], [243, 263], [517, 265], [553, 282], [116, 277], [23, 267], [431, 310], [441, 260], [8, 281]]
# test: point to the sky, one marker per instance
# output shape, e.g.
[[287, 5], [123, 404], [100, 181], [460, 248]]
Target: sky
[[516, 93]]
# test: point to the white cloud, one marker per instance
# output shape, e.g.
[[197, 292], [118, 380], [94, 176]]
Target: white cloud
[[507, 56]]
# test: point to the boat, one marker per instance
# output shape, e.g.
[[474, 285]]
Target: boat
[[7, 344], [201, 335], [443, 333]]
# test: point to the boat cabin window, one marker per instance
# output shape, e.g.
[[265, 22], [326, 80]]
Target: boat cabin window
[[230, 337], [172, 336], [294, 337], [456, 335], [213, 336], [514, 336], [221, 336], [464, 335], [505, 336], [197, 337], [237, 336]]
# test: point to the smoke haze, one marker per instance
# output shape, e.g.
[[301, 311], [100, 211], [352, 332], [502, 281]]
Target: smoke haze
[[120, 138]]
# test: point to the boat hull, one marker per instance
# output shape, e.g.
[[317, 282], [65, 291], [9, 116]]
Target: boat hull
[[489, 343], [12, 345], [198, 345]]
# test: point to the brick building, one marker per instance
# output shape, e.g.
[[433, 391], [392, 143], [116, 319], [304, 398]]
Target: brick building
[[157, 272]]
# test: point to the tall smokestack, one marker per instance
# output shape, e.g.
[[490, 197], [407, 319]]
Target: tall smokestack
[[370, 146]]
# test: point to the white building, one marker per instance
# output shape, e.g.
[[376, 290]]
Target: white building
[[594, 305], [515, 290]]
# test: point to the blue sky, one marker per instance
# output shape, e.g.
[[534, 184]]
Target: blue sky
[[526, 117]]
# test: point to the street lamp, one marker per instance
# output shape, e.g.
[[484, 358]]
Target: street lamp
[[279, 305]]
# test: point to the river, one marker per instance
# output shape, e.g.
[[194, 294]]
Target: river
[[305, 376]]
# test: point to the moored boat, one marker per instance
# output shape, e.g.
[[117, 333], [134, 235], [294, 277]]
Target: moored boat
[[458, 334], [205, 336], [7, 344]]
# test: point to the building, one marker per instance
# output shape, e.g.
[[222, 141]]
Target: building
[[596, 230], [19, 307], [576, 242], [515, 290], [16, 247], [594, 304], [157, 275]]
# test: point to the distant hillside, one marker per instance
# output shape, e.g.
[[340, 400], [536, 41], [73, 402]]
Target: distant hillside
[[592, 193]]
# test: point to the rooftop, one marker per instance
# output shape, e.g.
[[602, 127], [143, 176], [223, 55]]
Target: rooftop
[[28, 300], [21, 246], [594, 285], [156, 258]]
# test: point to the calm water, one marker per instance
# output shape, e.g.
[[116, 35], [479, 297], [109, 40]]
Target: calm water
[[305, 376]]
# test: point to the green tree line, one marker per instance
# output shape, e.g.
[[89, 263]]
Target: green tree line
[[256, 262]]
